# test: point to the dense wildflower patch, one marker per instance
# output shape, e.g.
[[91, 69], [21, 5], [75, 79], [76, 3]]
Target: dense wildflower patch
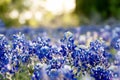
[[60, 54]]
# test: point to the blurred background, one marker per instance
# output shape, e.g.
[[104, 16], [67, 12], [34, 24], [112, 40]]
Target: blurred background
[[35, 13]]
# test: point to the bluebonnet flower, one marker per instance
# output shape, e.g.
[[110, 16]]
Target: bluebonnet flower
[[19, 46], [44, 73], [115, 43], [105, 33], [116, 71], [63, 60], [98, 49], [101, 74], [19, 52], [42, 49], [4, 53], [39, 73]]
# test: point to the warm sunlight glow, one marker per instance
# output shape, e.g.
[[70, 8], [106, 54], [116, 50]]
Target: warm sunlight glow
[[14, 14], [60, 6], [39, 8]]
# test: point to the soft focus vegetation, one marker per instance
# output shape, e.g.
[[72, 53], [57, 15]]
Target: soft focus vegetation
[[58, 12], [99, 10]]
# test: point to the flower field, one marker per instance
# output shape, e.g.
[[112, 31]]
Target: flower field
[[81, 53]]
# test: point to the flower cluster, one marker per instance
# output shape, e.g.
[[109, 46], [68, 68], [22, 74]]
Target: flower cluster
[[58, 56]]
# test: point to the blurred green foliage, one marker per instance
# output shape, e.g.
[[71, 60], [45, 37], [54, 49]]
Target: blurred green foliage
[[87, 8], [105, 8], [23, 74], [8, 5]]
